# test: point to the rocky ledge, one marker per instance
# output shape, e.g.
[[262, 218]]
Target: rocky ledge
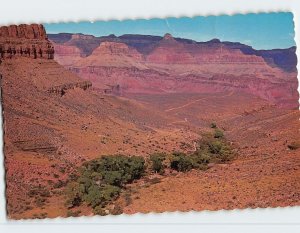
[[62, 89], [25, 41]]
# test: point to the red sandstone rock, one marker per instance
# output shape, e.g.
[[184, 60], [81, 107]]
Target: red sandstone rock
[[171, 65], [116, 49], [33, 31], [67, 55], [170, 51], [25, 40]]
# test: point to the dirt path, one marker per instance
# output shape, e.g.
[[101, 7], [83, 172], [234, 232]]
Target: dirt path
[[195, 101]]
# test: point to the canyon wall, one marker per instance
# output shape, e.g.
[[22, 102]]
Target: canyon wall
[[21, 43], [152, 64]]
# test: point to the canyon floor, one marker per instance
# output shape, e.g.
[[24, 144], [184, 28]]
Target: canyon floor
[[264, 174], [48, 135]]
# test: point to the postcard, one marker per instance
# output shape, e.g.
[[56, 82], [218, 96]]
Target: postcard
[[157, 115]]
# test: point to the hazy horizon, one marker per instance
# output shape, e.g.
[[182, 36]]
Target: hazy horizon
[[261, 31]]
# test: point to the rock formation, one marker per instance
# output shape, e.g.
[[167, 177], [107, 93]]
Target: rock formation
[[25, 41], [151, 64], [62, 89], [33, 31]]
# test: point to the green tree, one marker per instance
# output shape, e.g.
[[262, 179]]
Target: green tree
[[74, 192], [157, 162], [100, 180], [181, 162]]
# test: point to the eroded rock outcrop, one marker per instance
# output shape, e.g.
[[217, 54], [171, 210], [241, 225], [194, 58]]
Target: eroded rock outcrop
[[33, 31], [62, 89], [171, 51], [116, 49], [67, 55], [25, 41], [151, 64]]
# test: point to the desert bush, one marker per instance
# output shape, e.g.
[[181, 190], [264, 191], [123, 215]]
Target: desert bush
[[74, 192], [202, 157], [214, 149], [71, 213], [117, 210], [197, 160], [101, 195], [98, 210], [182, 162], [218, 133], [100, 180], [113, 178], [157, 162], [213, 125], [220, 150], [118, 169]]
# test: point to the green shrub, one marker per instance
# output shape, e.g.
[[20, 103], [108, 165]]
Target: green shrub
[[113, 178], [117, 210], [215, 146], [202, 156], [74, 192], [214, 149], [98, 210], [182, 162], [101, 195], [118, 169], [218, 133], [73, 214], [100, 180], [157, 162], [213, 125]]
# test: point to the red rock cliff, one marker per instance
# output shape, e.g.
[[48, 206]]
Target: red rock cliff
[[26, 41], [33, 31]]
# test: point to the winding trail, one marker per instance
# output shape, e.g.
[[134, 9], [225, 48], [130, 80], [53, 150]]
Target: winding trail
[[195, 101]]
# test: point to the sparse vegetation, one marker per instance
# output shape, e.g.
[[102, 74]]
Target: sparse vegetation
[[157, 162], [218, 133], [181, 162], [213, 125], [71, 213], [99, 182], [215, 149], [210, 149]]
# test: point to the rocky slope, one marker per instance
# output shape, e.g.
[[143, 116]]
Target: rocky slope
[[264, 174], [54, 120], [151, 64]]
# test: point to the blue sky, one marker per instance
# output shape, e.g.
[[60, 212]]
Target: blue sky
[[261, 31]]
